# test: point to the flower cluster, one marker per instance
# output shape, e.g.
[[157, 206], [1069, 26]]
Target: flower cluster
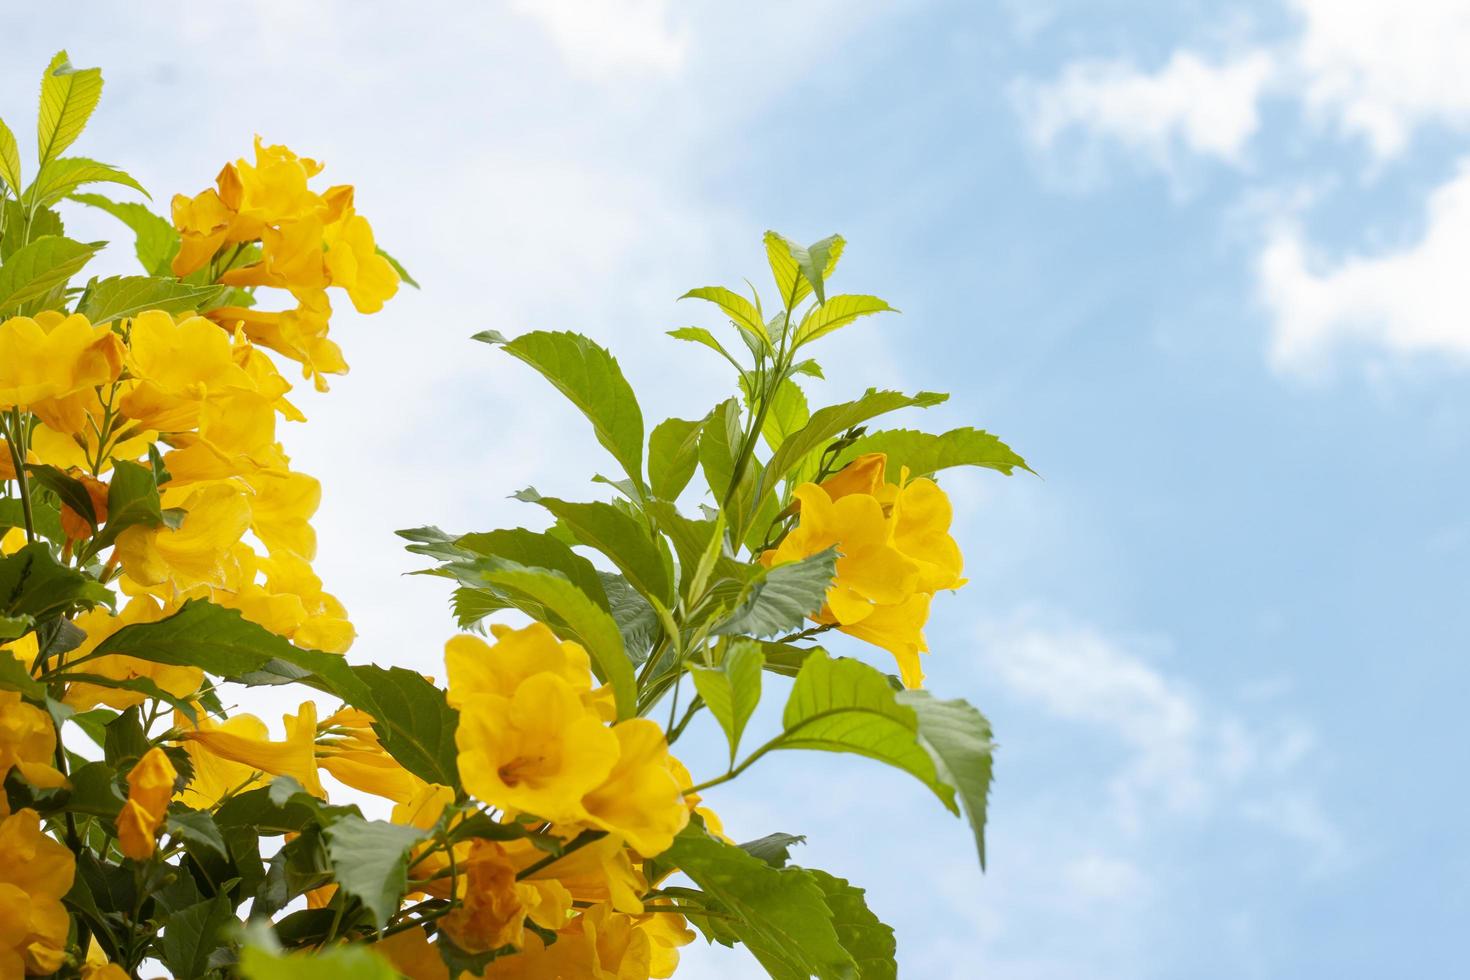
[[896, 552], [261, 225], [525, 818]]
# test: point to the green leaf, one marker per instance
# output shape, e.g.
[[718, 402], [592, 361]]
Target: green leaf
[[45, 517], [119, 297], [860, 932], [959, 740], [398, 268], [414, 722], [35, 269], [780, 914], [190, 935], [620, 537], [370, 861], [699, 335], [844, 705], [68, 96], [71, 490], [15, 677], [692, 539], [132, 500], [774, 849], [155, 240], [673, 455], [201, 634], [590, 378], [798, 270], [94, 791], [588, 623], [837, 313], [830, 422], [9, 160], [637, 620], [33, 583], [736, 307], [732, 689], [778, 600], [58, 178], [926, 454], [537, 550], [14, 627], [197, 827], [719, 445], [787, 414]]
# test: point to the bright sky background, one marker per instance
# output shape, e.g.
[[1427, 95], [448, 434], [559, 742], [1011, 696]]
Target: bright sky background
[[1205, 267]]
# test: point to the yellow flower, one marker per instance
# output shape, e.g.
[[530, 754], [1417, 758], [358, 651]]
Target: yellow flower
[[640, 800], [203, 222], [294, 757], [27, 742], [150, 787], [216, 776], [96, 966], [299, 334], [73, 523], [410, 954], [601, 871], [666, 932], [895, 553], [599, 944], [177, 367], [476, 667], [99, 624], [279, 511], [353, 754], [540, 750], [194, 553], [46, 360], [494, 905], [355, 265], [35, 872]]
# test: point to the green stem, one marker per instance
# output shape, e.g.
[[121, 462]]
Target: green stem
[[15, 440], [583, 839]]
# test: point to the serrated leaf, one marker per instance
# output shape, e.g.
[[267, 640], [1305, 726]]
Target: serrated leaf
[[15, 677], [190, 935], [587, 623], [786, 415], [67, 487], [118, 297], [673, 455], [692, 539], [842, 705], [736, 307], [590, 378], [958, 738], [778, 600], [10, 173], [197, 827], [34, 269], [926, 454], [701, 336], [780, 914], [532, 548], [68, 96], [774, 849], [58, 178], [830, 422], [622, 538], [414, 722], [155, 240], [132, 500], [201, 634], [33, 583], [45, 517], [837, 313], [865, 937], [637, 620], [799, 269], [732, 689], [370, 862]]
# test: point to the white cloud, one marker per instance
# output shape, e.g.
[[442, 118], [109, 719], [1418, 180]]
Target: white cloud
[[1411, 301], [1189, 103], [604, 37], [1183, 757], [1380, 69]]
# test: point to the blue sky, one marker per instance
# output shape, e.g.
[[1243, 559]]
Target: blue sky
[[1204, 265]]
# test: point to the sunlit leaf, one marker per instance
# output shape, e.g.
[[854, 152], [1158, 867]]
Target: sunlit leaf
[[68, 96]]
